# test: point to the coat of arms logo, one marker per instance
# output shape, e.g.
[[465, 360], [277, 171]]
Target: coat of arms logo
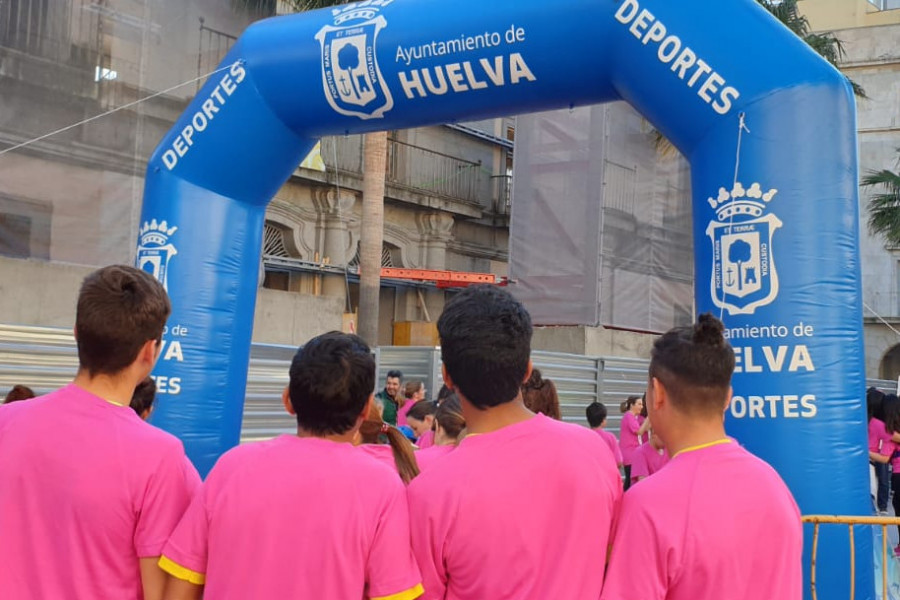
[[350, 74], [155, 250], [743, 275]]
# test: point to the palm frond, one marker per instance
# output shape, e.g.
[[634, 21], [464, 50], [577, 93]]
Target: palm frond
[[827, 45], [884, 207], [304, 5]]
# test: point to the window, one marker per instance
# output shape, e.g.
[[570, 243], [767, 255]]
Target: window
[[24, 228]]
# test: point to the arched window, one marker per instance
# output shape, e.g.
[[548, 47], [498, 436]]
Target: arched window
[[890, 364], [388, 254], [273, 241]]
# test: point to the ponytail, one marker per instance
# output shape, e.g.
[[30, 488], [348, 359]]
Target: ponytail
[[402, 449], [404, 456], [629, 402]]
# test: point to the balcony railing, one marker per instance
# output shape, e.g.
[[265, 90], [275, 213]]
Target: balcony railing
[[214, 45], [410, 166], [433, 172], [65, 32]]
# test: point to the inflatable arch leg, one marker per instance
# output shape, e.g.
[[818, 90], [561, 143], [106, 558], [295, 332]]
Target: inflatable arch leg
[[775, 203]]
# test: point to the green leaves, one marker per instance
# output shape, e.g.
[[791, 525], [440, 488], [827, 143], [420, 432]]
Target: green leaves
[[884, 206], [266, 8], [826, 45]]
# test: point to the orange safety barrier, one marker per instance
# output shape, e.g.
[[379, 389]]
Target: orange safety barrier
[[850, 521]]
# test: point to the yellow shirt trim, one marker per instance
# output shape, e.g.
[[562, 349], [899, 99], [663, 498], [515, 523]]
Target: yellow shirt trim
[[413, 592], [702, 446], [175, 570]]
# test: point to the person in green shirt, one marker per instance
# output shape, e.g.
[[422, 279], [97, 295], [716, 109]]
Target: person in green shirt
[[389, 398]]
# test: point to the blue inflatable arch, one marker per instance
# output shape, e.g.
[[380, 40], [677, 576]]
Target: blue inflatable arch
[[775, 201]]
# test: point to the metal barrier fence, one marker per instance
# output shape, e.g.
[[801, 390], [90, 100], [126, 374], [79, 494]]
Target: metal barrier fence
[[45, 358], [850, 521]]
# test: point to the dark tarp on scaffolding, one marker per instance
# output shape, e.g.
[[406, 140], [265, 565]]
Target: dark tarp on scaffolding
[[601, 221]]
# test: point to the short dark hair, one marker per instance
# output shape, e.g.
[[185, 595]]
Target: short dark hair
[[144, 395], [18, 392], [694, 364], [444, 393], [120, 309], [486, 344], [393, 373], [596, 414], [331, 379], [421, 409]]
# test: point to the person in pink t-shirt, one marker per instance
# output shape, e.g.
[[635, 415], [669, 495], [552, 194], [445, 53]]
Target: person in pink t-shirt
[[523, 507], [305, 515], [881, 447], [648, 458], [421, 419], [630, 431], [448, 426], [398, 452], [89, 493], [642, 418], [694, 527], [596, 418], [413, 391]]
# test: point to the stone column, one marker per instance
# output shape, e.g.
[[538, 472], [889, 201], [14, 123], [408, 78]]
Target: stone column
[[436, 231], [334, 212]]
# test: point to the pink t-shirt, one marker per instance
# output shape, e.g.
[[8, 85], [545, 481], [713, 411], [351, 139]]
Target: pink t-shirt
[[426, 458], [86, 489], [401, 414], [426, 440], [297, 518], [645, 437], [880, 439], [382, 453], [496, 517], [647, 460], [628, 438], [695, 531], [613, 444]]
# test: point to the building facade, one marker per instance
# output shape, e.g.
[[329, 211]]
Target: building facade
[[123, 71], [869, 31]]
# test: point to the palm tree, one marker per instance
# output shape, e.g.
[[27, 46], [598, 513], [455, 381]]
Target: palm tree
[[374, 166], [826, 45], [884, 206]]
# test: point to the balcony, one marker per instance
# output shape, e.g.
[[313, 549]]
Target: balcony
[[422, 171]]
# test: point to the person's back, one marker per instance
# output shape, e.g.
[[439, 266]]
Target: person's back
[[305, 515], [69, 507], [525, 513], [716, 522], [298, 517], [523, 507], [89, 493], [596, 413], [716, 512]]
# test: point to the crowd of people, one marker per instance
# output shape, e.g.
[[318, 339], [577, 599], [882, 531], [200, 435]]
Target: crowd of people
[[492, 500], [883, 411]]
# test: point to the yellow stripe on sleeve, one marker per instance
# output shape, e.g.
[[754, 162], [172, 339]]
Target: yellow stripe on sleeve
[[175, 570], [410, 594]]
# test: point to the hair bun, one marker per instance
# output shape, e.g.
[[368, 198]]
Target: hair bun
[[709, 331]]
